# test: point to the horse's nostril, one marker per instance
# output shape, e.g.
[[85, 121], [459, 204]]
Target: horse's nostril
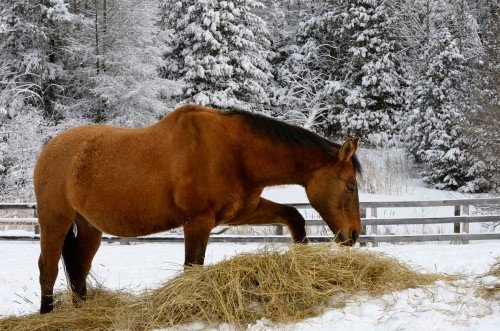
[[341, 237]]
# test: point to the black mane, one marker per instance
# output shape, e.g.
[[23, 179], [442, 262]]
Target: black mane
[[290, 134]]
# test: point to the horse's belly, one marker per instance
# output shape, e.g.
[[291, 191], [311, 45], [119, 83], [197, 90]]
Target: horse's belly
[[123, 207], [126, 218], [133, 227]]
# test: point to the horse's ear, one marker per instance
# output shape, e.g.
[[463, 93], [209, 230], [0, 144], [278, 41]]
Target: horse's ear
[[348, 149]]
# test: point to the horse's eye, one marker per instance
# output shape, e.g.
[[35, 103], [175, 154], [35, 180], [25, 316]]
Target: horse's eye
[[351, 187]]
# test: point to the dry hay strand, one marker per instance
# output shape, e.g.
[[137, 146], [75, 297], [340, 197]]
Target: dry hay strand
[[280, 284], [495, 269], [97, 313], [491, 290]]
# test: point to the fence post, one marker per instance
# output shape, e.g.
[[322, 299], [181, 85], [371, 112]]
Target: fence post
[[124, 241], [37, 227], [465, 225], [278, 230], [456, 225], [374, 227], [362, 243]]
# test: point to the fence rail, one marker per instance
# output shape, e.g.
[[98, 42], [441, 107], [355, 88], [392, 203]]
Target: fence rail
[[416, 203], [286, 239], [461, 222]]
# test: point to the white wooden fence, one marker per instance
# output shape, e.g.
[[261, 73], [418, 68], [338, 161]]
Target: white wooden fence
[[461, 221]]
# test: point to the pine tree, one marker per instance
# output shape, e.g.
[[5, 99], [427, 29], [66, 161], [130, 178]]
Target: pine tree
[[346, 66], [33, 79], [31, 55], [483, 125], [309, 91], [115, 54], [219, 49], [371, 72], [302, 97], [437, 107]]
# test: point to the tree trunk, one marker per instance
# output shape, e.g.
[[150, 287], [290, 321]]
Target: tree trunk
[[104, 31], [96, 26]]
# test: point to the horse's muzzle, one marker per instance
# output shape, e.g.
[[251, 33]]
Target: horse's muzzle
[[349, 241], [354, 237]]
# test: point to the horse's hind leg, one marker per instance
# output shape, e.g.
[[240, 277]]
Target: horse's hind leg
[[78, 252], [53, 230]]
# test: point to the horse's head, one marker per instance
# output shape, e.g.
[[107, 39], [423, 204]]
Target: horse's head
[[333, 191]]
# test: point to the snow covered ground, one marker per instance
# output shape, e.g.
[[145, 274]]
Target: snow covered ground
[[439, 307]]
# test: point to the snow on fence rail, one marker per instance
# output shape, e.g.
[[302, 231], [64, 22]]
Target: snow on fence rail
[[461, 222]]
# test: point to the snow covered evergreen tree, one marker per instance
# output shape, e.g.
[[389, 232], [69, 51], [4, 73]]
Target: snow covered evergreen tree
[[309, 92], [333, 66], [437, 106], [302, 97], [60, 67], [219, 49], [484, 124], [347, 67], [116, 53], [31, 55], [33, 77], [371, 72]]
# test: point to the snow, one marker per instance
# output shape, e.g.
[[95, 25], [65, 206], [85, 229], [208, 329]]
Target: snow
[[438, 307], [311, 88]]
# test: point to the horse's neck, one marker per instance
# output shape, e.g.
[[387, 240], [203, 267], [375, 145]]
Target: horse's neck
[[277, 164]]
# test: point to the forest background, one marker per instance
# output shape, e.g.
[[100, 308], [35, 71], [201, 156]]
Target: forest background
[[418, 75]]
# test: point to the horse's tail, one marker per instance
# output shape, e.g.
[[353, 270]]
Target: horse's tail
[[70, 255]]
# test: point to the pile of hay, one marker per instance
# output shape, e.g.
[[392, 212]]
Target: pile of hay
[[280, 284], [495, 269]]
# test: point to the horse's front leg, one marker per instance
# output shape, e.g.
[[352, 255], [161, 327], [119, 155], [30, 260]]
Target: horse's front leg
[[268, 212], [196, 235]]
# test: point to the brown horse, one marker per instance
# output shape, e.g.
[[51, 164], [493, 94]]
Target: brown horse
[[196, 168]]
